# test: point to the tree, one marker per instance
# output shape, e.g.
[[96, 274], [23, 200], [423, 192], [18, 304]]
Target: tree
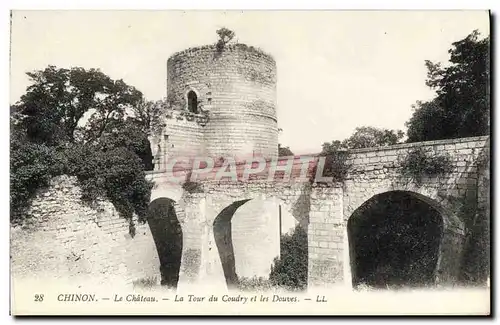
[[225, 36], [129, 134], [365, 137], [58, 99], [336, 161], [151, 115], [284, 151], [461, 107], [82, 123]]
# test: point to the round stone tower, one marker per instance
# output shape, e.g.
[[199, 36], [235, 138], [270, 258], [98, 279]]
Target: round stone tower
[[236, 87]]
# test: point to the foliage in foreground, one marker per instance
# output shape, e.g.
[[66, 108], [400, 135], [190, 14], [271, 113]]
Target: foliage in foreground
[[289, 272], [461, 107], [82, 123]]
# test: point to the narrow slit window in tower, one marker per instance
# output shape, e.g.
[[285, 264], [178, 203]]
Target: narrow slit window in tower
[[192, 102]]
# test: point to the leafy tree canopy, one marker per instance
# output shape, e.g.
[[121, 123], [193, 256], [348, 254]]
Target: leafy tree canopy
[[365, 137], [461, 107], [225, 36], [83, 123], [58, 99], [284, 151]]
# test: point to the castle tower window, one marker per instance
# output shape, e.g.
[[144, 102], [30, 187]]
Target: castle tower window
[[192, 102]]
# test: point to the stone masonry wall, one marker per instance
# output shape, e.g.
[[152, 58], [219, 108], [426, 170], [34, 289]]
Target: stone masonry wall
[[185, 138], [326, 235], [377, 170], [478, 249], [181, 137], [70, 240], [67, 240], [324, 209], [256, 218]]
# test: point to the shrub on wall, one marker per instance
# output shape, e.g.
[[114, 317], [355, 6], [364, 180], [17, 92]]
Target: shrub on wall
[[116, 174], [336, 165], [225, 36], [420, 162], [32, 165], [192, 187]]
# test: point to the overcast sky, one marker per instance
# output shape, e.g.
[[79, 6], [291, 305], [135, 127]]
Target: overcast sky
[[336, 69]]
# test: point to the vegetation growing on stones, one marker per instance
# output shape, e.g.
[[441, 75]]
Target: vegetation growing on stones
[[419, 163], [336, 165], [192, 187], [262, 74], [336, 152], [225, 36]]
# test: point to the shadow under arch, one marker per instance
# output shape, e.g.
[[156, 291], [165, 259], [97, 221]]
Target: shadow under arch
[[167, 235], [396, 239], [224, 241]]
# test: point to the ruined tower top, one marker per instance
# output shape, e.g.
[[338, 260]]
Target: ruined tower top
[[236, 86]]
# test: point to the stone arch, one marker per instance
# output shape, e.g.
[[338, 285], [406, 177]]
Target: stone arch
[[172, 192], [167, 234], [354, 198], [436, 235], [235, 230], [224, 241]]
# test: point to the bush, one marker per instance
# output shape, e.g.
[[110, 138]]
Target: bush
[[32, 166], [115, 174], [336, 166], [192, 187], [419, 163], [290, 270]]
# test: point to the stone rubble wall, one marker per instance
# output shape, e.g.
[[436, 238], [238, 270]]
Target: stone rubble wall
[[68, 240], [377, 170]]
